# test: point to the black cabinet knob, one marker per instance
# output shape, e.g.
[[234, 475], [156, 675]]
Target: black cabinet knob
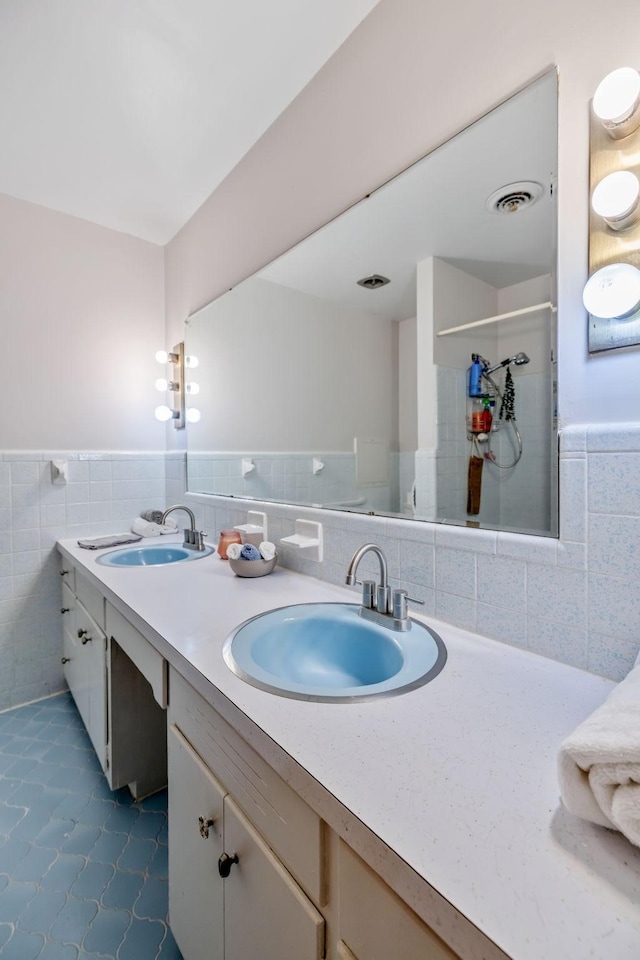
[[225, 863]]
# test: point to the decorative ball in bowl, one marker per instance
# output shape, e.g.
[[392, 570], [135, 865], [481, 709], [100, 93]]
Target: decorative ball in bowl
[[253, 568]]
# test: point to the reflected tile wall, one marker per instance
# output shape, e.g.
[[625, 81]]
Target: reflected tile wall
[[288, 476]]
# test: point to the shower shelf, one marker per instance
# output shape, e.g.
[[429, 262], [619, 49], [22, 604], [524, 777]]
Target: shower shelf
[[500, 316]]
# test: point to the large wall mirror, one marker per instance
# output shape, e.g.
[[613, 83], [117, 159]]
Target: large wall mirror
[[316, 388]]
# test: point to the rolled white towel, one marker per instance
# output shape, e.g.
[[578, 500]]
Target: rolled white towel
[[599, 763], [233, 551], [267, 550], [146, 528]]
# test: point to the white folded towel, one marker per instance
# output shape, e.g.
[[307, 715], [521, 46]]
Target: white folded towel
[[599, 763], [146, 528], [233, 551], [267, 550]]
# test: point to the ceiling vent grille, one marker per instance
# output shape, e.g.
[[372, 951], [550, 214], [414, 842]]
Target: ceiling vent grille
[[514, 197], [374, 282]]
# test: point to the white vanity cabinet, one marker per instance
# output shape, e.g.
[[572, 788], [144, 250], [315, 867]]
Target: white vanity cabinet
[[262, 908], [118, 681], [297, 891]]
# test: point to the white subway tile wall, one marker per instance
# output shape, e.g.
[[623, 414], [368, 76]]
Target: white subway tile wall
[[573, 599], [105, 491]]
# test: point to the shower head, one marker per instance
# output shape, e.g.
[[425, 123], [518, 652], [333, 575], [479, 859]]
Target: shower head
[[519, 360]]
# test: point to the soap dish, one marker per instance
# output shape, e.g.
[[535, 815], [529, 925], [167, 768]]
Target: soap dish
[[253, 568]]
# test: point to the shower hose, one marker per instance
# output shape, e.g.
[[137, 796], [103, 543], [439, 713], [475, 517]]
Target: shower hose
[[490, 455]]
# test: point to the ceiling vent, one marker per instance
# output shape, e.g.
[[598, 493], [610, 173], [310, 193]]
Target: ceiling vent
[[514, 197], [374, 282]]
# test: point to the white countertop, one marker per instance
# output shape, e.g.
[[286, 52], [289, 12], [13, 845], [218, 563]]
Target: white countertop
[[457, 777]]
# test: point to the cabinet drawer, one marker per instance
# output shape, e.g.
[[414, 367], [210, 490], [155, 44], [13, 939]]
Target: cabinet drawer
[[373, 920], [151, 665], [68, 606], [90, 598], [291, 828], [68, 573]]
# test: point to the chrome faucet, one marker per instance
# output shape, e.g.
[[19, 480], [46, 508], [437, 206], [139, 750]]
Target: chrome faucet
[[193, 539], [379, 603]]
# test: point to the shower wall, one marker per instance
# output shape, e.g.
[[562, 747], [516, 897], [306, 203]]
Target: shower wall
[[518, 497]]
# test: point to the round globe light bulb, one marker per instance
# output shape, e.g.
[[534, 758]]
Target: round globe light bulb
[[615, 199], [193, 415], [613, 292], [164, 413], [162, 356], [191, 361], [162, 384], [617, 95], [193, 387]]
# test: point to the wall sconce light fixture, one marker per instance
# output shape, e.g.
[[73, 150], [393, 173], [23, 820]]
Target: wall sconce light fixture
[[177, 388], [612, 293], [173, 386]]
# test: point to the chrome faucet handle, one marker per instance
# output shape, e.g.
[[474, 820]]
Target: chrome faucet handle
[[368, 594], [399, 599], [198, 539], [382, 599]]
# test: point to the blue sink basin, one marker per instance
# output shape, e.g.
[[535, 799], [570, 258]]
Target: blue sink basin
[[327, 651], [152, 556]]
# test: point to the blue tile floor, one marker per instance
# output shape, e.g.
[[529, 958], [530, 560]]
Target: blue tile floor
[[83, 870]]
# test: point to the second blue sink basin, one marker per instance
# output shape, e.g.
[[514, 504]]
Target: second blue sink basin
[[152, 556], [327, 651]]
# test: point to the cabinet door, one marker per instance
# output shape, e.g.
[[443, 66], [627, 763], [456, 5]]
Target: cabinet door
[[195, 887], [266, 914], [343, 952], [374, 921], [87, 677]]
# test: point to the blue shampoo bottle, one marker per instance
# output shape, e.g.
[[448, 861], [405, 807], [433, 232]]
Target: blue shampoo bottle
[[474, 377]]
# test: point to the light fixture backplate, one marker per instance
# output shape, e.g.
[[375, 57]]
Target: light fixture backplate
[[177, 392], [606, 245]]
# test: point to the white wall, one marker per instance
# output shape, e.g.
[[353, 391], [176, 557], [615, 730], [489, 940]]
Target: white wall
[[407, 386], [460, 298], [82, 314], [531, 333], [407, 79], [283, 371]]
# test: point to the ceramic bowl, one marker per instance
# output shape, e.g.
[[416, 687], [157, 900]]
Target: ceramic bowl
[[252, 568]]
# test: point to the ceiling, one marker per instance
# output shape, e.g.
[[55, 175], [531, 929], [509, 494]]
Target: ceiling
[[129, 113], [437, 208]]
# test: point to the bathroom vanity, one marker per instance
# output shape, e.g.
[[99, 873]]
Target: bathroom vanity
[[425, 825], [119, 684]]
